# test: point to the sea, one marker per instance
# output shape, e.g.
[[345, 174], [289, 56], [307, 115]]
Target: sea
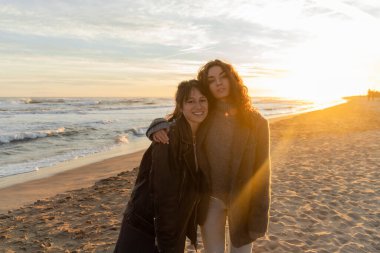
[[37, 133]]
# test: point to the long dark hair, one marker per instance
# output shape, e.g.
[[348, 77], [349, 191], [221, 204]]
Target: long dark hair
[[238, 91], [182, 94]]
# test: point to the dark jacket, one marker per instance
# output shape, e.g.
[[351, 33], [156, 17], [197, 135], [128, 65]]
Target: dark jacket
[[249, 196], [166, 193]]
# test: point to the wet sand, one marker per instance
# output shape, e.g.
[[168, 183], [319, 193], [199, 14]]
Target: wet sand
[[325, 192]]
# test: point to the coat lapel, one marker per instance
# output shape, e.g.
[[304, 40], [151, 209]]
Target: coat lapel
[[203, 163]]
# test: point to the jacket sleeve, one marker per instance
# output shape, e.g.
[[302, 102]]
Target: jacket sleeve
[[165, 195], [261, 202], [156, 125]]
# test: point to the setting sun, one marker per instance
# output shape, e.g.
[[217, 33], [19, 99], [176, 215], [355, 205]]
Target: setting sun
[[327, 67]]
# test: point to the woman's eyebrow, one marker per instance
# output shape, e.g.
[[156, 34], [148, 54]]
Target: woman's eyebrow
[[221, 73]]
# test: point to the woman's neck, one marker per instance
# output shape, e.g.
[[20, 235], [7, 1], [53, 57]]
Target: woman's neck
[[227, 108], [224, 100], [194, 128]]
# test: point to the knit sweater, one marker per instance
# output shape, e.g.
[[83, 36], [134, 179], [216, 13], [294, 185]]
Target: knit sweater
[[218, 147]]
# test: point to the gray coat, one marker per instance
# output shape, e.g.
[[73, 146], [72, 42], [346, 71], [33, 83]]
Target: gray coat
[[249, 197]]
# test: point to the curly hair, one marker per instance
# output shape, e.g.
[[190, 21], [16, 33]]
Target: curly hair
[[238, 91]]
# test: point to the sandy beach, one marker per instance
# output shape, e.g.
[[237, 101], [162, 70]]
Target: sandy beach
[[325, 192]]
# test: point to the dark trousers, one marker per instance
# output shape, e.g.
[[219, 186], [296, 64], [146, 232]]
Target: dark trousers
[[133, 240]]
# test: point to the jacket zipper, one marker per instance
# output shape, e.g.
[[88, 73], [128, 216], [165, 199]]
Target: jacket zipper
[[197, 203], [195, 153]]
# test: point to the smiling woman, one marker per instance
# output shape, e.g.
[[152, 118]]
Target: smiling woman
[[168, 178]]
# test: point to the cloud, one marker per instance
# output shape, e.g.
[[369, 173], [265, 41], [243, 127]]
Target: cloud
[[157, 29], [126, 22], [356, 10], [168, 40], [370, 6]]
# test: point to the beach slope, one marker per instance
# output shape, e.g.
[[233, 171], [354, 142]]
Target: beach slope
[[325, 192]]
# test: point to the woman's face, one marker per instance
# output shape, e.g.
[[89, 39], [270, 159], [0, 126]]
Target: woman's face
[[195, 108], [218, 83]]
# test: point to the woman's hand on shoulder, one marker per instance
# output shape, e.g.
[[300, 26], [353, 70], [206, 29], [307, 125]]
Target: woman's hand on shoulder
[[161, 136]]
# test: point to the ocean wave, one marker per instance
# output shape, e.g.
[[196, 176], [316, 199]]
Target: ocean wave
[[43, 100], [25, 136], [120, 139], [106, 121], [78, 109], [83, 103], [137, 132], [121, 101], [130, 133], [136, 101], [38, 134], [35, 165], [89, 101], [22, 168]]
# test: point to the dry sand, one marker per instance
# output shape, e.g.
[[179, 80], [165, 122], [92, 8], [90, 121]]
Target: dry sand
[[325, 192]]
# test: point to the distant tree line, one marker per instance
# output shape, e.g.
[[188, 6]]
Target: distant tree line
[[372, 94]]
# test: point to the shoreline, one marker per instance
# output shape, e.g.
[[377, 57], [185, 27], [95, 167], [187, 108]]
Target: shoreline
[[83, 176], [71, 170], [51, 171], [61, 167], [325, 191], [130, 148]]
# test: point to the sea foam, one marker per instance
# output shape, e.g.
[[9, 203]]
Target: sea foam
[[11, 137]]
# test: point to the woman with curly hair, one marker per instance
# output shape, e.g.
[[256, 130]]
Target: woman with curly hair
[[233, 152]]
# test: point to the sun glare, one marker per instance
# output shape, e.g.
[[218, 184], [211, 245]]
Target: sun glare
[[341, 58], [324, 69]]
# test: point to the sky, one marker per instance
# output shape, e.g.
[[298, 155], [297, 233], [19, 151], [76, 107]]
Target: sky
[[94, 48]]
